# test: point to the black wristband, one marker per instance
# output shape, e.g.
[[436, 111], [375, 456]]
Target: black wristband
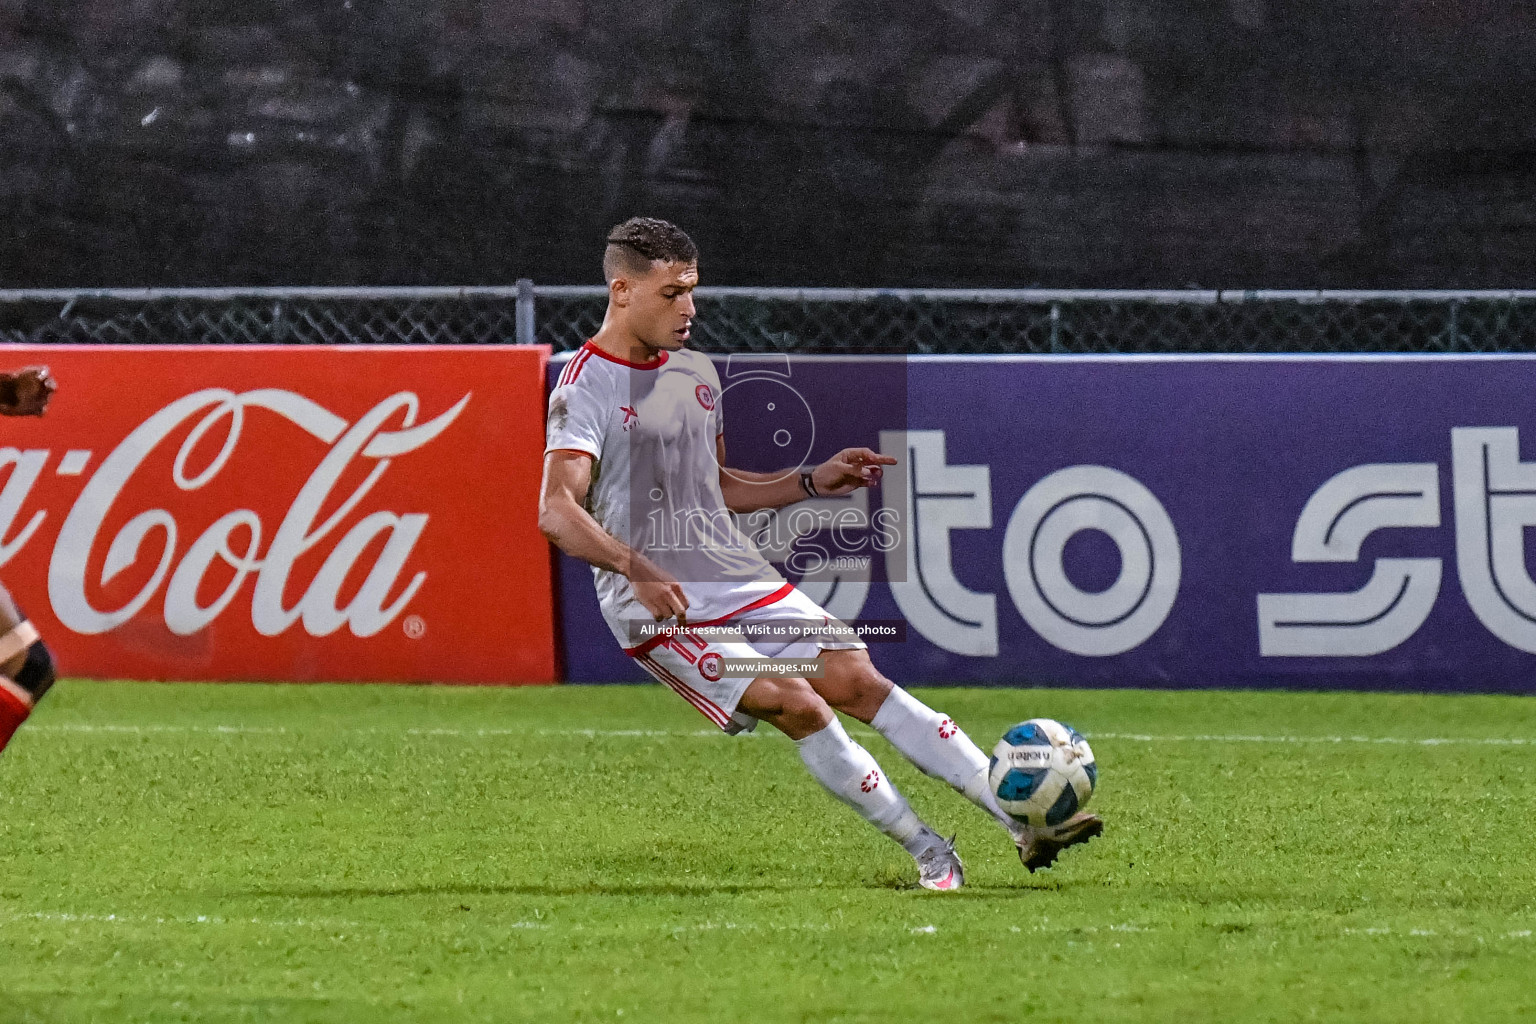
[[808, 485]]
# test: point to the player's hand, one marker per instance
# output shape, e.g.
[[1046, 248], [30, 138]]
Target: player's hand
[[662, 595], [26, 392], [849, 470]]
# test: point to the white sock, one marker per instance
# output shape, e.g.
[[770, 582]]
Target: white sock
[[850, 773], [939, 748]]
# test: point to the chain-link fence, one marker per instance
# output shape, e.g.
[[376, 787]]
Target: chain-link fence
[[316, 316], [797, 320]]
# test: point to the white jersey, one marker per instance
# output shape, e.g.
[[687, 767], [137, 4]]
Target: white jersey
[[651, 430]]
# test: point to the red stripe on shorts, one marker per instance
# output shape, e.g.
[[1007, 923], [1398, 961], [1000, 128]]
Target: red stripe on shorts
[[708, 708]]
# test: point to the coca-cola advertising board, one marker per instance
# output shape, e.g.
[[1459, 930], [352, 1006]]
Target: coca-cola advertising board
[[282, 513]]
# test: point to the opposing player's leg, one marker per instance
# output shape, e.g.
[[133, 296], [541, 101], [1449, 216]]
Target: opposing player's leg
[[849, 773], [26, 668], [939, 748]]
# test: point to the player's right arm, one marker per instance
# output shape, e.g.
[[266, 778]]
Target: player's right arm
[[580, 411], [564, 519]]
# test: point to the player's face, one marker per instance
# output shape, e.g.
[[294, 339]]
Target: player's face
[[660, 311]]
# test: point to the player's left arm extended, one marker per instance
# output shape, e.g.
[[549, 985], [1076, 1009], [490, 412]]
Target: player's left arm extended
[[843, 473]]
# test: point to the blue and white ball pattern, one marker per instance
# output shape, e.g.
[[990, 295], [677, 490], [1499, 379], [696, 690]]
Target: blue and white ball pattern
[[1042, 772]]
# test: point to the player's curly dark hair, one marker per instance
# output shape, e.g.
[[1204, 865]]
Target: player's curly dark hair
[[633, 245]]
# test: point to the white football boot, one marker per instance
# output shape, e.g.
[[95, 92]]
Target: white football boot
[[1039, 847], [938, 864]]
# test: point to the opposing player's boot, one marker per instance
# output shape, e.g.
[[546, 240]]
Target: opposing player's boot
[[1039, 847], [938, 864]]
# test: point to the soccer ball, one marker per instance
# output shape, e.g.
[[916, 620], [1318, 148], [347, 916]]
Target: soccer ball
[[1042, 772]]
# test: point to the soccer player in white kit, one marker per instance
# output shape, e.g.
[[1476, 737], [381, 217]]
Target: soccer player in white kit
[[636, 484]]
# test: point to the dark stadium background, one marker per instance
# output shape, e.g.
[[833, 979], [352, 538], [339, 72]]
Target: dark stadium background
[[1238, 296], [1067, 143]]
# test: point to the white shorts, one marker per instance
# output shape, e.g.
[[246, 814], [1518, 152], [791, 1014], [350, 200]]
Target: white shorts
[[690, 664]]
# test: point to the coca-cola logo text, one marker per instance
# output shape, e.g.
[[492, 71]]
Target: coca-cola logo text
[[238, 539]]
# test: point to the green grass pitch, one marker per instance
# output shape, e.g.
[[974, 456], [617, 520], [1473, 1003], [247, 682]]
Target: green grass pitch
[[371, 853]]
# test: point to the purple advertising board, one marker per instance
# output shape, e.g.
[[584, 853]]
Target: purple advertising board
[[1309, 522]]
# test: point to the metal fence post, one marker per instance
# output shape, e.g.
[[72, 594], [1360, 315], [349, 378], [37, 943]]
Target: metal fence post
[[524, 315], [1056, 327]]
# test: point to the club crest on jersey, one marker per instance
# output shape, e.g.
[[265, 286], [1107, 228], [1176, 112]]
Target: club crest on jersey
[[709, 666], [706, 396], [630, 416]]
